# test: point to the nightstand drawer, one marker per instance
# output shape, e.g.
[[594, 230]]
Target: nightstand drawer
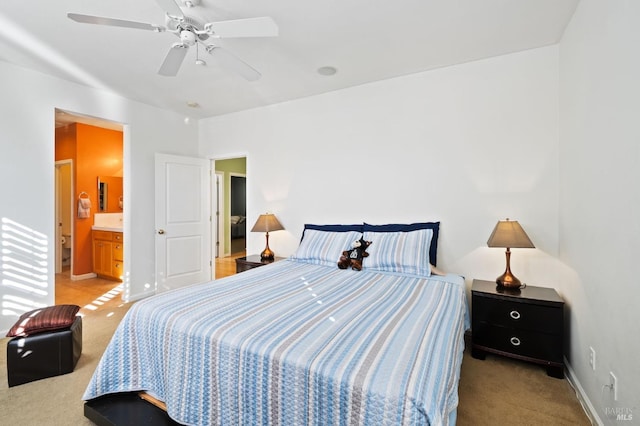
[[524, 343], [243, 266], [546, 319]]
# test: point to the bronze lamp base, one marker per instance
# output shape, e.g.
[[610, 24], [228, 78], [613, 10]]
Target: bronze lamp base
[[507, 279], [267, 254]]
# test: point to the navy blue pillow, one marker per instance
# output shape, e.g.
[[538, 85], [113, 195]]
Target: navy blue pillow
[[333, 228], [407, 227]]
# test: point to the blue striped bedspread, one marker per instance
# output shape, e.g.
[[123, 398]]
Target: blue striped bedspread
[[295, 344]]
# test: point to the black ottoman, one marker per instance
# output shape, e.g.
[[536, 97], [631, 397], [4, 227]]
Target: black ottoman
[[42, 355]]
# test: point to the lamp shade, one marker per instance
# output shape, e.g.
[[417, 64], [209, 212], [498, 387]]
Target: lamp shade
[[509, 233], [267, 223]]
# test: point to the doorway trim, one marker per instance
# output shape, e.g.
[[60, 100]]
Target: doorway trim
[[56, 219], [217, 207]]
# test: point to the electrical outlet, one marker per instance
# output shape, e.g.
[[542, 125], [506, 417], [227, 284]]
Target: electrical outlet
[[592, 358], [613, 382]]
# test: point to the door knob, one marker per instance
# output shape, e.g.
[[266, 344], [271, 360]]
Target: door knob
[[160, 231]]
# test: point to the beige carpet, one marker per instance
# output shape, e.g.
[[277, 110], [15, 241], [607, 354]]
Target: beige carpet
[[497, 391], [58, 400], [503, 391]]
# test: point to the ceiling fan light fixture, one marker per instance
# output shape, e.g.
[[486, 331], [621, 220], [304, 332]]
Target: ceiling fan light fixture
[[327, 70], [188, 37]]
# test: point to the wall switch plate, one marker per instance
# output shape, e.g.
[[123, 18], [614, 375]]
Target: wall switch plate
[[592, 358], [613, 381]]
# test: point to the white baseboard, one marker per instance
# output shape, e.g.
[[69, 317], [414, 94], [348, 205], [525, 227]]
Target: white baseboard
[[83, 276], [584, 400]]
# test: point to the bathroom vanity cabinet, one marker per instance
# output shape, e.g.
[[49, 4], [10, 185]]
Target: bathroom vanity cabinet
[[108, 254]]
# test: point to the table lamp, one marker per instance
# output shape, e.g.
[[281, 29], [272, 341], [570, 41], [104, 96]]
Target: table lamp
[[509, 234], [266, 223]]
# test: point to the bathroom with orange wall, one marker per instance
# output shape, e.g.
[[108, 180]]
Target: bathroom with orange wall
[[95, 151]]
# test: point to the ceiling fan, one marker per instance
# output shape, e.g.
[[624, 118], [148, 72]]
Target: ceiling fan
[[191, 32]]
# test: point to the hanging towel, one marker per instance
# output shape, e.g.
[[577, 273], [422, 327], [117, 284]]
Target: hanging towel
[[84, 208]]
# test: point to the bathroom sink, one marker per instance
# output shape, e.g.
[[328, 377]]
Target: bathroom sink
[[107, 222]]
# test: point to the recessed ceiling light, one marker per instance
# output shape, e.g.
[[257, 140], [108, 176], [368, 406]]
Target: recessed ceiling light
[[327, 70], [192, 104]]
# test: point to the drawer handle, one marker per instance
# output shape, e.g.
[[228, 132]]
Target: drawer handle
[[514, 314], [117, 247], [515, 341]]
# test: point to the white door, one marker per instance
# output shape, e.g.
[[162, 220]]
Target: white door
[[183, 236]]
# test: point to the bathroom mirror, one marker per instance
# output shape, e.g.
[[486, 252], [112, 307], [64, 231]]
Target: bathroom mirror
[[110, 194], [103, 192]]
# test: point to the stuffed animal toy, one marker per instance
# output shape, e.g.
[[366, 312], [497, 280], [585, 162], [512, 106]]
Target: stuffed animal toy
[[353, 258]]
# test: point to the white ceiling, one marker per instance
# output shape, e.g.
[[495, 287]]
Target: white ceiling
[[365, 40]]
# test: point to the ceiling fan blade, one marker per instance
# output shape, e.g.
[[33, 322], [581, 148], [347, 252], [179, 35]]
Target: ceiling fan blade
[[99, 20], [250, 27], [171, 7], [232, 62], [173, 60]]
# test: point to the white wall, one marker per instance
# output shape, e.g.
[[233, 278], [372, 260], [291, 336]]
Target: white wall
[[467, 145], [27, 136], [600, 198]]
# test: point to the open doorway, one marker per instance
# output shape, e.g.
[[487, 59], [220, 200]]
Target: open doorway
[[231, 210], [238, 213], [81, 146]]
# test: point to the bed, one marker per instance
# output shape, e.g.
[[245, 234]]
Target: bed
[[300, 341]]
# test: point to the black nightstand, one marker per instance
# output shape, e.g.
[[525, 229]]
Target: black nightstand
[[528, 326], [252, 261]]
